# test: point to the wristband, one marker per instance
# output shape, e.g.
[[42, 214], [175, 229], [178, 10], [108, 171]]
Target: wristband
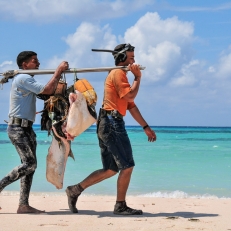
[[136, 78], [144, 127]]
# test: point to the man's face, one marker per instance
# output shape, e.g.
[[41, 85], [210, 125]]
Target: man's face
[[32, 63], [130, 57]]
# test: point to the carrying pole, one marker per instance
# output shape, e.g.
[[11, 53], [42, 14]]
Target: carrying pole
[[11, 73]]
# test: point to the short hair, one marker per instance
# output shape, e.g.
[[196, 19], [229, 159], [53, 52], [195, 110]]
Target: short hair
[[120, 52], [24, 56]]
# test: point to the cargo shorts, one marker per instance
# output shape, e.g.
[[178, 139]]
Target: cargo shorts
[[116, 150]]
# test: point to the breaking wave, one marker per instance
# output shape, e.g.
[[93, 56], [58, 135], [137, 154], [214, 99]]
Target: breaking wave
[[180, 194]]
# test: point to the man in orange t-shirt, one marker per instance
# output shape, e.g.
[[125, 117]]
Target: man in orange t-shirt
[[116, 151]]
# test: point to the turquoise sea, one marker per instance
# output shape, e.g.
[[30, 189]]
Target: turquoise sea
[[183, 162]]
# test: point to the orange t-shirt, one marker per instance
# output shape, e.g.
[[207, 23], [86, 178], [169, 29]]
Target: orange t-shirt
[[115, 87]]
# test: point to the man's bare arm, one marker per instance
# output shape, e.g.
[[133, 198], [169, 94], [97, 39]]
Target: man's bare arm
[[130, 96], [52, 84], [139, 118]]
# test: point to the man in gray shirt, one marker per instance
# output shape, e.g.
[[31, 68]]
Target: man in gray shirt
[[22, 112]]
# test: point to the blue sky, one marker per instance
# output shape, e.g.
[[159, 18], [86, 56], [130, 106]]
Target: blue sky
[[184, 45]]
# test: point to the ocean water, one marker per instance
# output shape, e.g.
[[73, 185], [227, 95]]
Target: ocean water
[[183, 162]]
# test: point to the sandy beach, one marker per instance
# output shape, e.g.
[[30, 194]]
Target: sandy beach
[[95, 213]]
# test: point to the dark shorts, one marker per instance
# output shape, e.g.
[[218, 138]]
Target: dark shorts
[[116, 151]]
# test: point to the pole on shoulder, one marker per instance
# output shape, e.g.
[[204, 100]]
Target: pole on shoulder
[[11, 73]]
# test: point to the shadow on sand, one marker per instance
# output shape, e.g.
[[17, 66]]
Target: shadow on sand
[[110, 214]]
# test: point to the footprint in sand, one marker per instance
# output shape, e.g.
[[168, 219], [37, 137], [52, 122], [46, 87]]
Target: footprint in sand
[[49, 225], [172, 217], [193, 219]]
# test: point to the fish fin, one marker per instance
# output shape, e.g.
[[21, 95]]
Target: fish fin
[[71, 155]]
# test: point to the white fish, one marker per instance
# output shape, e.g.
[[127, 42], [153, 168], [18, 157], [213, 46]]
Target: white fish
[[79, 117], [56, 160]]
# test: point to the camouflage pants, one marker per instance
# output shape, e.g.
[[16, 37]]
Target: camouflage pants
[[24, 140]]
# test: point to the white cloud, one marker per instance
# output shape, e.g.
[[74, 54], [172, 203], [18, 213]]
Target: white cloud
[[6, 63], [211, 69], [45, 11], [224, 66], [163, 46], [222, 7], [86, 37], [160, 60], [187, 74]]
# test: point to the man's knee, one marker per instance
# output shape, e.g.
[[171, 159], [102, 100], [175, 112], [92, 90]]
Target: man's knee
[[127, 170], [110, 172], [33, 166], [28, 167]]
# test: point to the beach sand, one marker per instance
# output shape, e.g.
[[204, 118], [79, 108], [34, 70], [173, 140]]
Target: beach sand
[[95, 213]]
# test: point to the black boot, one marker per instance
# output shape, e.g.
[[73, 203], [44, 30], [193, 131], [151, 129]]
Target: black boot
[[121, 208]]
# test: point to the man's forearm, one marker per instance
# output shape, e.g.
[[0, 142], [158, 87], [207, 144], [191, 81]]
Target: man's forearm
[[137, 116], [52, 84], [134, 90], [135, 87]]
